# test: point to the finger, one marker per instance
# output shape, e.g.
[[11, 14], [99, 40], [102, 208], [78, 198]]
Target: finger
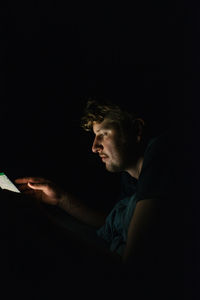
[[33, 194], [30, 192], [27, 179], [37, 186], [21, 180], [24, 187]]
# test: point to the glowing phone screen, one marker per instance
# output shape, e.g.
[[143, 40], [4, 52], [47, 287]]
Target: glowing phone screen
[[5, 183]]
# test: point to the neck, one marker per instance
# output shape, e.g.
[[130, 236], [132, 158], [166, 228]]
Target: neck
[[135, 170]]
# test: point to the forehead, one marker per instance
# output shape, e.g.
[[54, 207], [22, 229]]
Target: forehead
[[106, 124]]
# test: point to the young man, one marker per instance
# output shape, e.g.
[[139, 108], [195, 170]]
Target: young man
[[135, 231]]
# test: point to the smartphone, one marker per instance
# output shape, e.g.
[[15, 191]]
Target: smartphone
[[6, 183]]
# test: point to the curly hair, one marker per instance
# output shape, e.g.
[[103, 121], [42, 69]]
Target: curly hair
[[97, 112]]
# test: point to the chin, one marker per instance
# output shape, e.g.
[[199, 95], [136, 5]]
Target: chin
[[113, 168]]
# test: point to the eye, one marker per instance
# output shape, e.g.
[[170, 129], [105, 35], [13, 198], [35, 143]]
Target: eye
[[103, 134], [100, 136]]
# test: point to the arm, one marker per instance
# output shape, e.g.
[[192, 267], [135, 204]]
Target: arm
[[80, 211], [48, 192], [142, 234]]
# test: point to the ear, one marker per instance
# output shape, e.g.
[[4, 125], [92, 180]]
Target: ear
[[139, 128]]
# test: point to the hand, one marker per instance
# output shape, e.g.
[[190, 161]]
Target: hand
[[40, 188]]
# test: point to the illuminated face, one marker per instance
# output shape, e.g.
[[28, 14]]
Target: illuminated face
[[110, 145]]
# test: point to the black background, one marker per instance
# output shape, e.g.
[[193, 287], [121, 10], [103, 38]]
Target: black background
[[55, 54]]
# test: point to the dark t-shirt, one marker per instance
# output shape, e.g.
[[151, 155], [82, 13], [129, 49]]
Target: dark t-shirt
[[157, 180]]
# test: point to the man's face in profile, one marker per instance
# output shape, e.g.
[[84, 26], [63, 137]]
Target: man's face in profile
[[110, 145]]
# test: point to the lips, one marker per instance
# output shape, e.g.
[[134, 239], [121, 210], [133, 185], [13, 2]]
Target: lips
[[103, 157]]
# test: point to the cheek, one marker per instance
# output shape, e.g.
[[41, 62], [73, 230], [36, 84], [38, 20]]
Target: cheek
[[116, 152]]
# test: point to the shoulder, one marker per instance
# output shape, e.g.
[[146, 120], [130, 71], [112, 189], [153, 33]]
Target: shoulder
[[158, 170], [160, 150], [164, 143]]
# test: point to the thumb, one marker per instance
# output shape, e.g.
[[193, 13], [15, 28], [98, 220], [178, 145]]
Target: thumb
[[36, 186]]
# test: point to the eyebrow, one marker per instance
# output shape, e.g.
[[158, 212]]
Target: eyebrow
[[107, 126], [99, 129]]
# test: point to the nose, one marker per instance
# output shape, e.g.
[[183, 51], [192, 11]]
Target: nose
[[97, 146]]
